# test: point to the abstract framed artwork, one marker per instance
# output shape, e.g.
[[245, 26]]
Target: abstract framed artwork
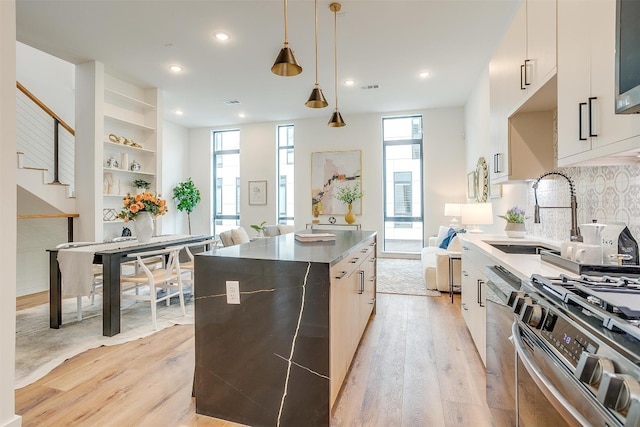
[[257, 192], [331, 170]]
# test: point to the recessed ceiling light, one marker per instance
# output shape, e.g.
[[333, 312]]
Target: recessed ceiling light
[[241, 115], [424, 74], [179, 112], [349, 82], [175, 68], [221, 36]]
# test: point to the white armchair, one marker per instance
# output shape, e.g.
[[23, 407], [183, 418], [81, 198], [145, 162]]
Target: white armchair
[[435, 262]]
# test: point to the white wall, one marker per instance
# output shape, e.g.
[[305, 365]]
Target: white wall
[[443, 167], [174, 170], [8, 212], [477, 129], [50, 79]]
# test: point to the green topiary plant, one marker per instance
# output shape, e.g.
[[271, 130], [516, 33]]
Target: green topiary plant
[[187, 196]]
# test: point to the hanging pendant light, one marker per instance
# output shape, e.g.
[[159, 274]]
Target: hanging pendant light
[[286, 64], [336, 118], [316, 99]]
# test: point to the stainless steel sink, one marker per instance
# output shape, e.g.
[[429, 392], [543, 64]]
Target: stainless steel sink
[[520, 248]]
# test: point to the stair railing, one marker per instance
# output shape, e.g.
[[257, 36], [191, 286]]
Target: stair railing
[[57, 123]]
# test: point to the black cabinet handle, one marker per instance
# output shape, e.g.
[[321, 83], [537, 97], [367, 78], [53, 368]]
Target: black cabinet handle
[[526, 75], [522, 71], [497, 163], [591, 99], [580, 105]]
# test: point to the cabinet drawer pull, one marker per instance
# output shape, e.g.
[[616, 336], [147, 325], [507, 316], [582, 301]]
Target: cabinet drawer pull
[[522, 71], [464, 306], [341, 275], [354, 260], [373, 301], [591, 99], [465, 274], [480, 283], [361, 286], [580, 137]]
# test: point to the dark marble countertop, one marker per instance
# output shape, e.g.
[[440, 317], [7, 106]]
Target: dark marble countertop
[[287, 248]]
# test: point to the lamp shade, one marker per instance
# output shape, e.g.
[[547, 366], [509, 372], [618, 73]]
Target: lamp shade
[[475, 214], [452, 209]]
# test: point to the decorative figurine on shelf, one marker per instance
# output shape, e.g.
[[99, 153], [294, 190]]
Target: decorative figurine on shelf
[[135, 166], [126, 232], [112, 162], [332, 220]]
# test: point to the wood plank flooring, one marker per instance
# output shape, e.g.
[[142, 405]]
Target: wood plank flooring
[[416, 366]]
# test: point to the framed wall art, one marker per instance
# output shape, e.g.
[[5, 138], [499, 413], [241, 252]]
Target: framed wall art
[[331, 170], [257, 192]]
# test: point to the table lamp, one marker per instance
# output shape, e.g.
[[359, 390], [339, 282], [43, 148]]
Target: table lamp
[[453, 210], [475, 214]]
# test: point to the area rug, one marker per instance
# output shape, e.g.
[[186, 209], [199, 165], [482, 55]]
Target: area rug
[[402, 276], [39, 349]]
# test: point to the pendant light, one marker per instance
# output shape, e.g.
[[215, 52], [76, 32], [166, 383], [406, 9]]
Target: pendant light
[[336, 118], [286, 64], [316, 99]]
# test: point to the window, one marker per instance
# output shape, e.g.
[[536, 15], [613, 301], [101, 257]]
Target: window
[[402, 169], [226, 201], [285, 174]]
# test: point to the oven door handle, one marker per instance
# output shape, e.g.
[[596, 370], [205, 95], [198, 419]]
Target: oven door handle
[[546, 386]]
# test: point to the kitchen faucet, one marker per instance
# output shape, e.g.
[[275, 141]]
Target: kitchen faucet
[[574, 232]]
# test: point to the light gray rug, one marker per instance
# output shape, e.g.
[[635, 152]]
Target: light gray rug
[[402, 276], [39, 349]]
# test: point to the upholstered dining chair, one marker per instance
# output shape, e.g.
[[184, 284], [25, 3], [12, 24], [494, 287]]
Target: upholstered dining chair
[[187, 267], [167, 278], [234, 237]]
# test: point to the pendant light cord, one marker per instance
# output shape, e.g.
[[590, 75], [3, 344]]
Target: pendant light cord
[[335, 53], [316, 16], [286, 38]]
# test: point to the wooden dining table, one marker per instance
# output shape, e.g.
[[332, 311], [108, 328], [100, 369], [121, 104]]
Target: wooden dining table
[[111, 256]]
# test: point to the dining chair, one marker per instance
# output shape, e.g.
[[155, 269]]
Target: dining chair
[[97, 276], [167, 277], [187, 268]]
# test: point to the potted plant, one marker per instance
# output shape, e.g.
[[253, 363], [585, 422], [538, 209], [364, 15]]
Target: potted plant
[[258, 227], [515, 222], [187, 196], [349, 194], [141, 185]]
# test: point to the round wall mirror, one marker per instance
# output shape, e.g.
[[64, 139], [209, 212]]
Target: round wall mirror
[[482, 174]]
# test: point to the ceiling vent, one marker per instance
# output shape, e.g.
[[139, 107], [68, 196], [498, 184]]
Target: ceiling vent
[[232, 102], [369, 87]]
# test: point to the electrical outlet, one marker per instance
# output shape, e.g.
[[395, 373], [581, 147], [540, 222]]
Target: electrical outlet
[[233, 292]]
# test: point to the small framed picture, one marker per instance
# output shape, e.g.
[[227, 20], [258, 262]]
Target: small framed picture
[[257, 192], [471, 185]]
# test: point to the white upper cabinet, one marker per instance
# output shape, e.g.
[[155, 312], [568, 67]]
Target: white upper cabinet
[[522, 67], [588, 128]]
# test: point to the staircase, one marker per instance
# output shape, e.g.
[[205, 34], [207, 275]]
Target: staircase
[[35, 181]]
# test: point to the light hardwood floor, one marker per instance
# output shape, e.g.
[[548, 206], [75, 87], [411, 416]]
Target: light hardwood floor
[[416, 366]]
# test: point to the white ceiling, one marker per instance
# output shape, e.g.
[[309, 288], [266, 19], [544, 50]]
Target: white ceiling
[[384, 43]]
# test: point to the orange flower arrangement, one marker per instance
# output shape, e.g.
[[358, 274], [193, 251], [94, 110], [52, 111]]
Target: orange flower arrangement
[[143, 202]]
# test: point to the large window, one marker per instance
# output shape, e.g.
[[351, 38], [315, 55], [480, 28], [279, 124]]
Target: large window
[[285, 174], [402, 163], [226, 201]]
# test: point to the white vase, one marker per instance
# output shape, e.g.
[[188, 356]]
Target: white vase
[[143, 225], [517, 230]]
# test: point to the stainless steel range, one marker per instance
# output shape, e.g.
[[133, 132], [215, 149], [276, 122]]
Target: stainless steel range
[[577, 349]]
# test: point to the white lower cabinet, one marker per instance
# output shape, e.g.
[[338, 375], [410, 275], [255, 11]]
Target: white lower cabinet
[[474, 296]]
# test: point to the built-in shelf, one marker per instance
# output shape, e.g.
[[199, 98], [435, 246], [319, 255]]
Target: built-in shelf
[[130, 123], [129, 172], [126, 101], [128, 147]]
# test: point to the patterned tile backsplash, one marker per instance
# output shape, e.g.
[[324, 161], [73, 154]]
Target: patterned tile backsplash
[[609, 194]]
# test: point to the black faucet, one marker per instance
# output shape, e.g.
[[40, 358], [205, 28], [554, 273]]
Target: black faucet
[[575, 231]]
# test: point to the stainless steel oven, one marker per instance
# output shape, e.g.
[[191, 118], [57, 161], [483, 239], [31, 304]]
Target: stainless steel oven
[[554, 362]]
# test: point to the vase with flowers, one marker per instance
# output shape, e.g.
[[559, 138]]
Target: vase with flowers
[[142, 209], [349, 194], [515, 222]]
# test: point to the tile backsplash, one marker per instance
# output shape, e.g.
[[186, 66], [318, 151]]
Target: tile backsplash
[[609, 194]]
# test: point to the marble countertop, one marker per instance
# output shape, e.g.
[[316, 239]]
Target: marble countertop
[[522, 266], [286, 248]]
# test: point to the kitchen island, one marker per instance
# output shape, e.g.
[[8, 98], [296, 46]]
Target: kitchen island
[[277, 323]]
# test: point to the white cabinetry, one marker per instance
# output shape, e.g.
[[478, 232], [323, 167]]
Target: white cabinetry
[[351, 302], [588, 127], [130, 143], [474, 296], [521, 74]]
